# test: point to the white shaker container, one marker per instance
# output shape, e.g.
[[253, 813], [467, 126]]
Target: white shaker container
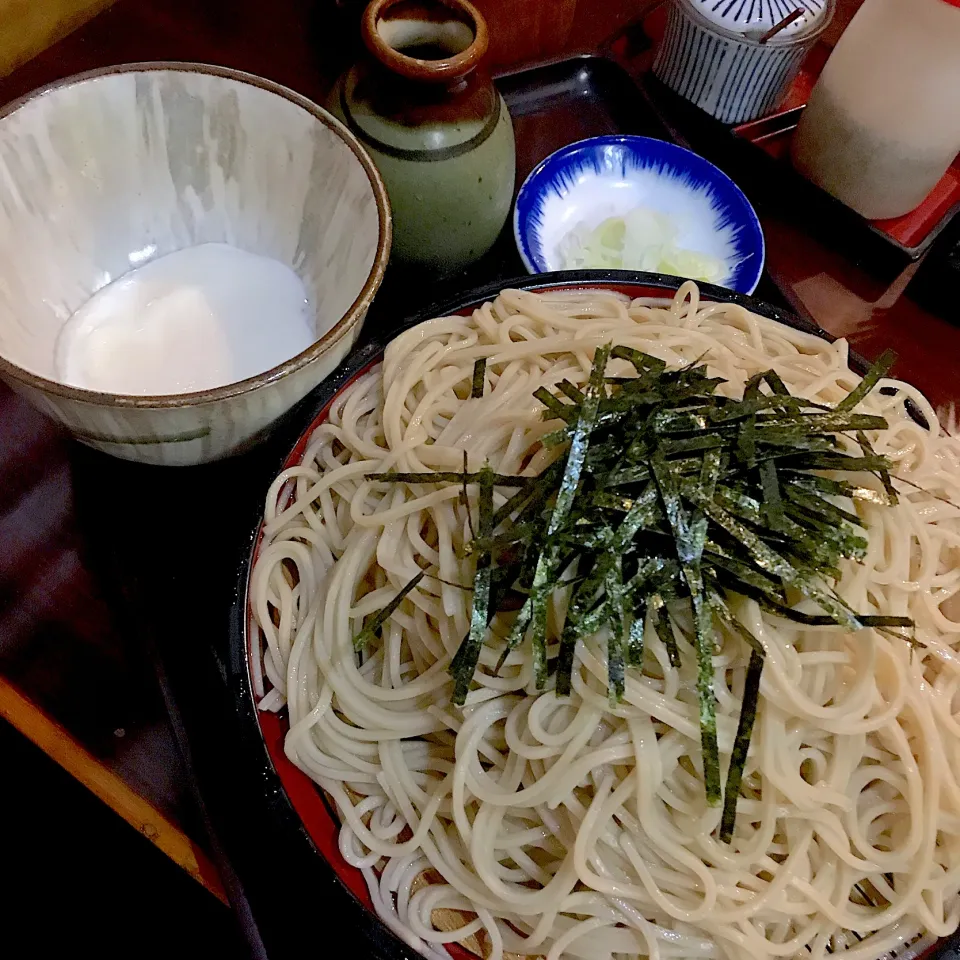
[[712, 54], [883, 122]]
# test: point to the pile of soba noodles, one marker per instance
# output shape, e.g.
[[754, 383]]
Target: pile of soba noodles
[[526, 823]]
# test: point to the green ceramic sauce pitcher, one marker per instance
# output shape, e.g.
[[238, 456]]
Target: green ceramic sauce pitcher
[[435, 126]]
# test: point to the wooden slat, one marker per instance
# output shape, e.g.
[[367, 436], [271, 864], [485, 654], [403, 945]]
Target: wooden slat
[[29, 26], [57, 744]]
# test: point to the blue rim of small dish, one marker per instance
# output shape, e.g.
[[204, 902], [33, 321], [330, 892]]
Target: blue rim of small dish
[[554, 170]]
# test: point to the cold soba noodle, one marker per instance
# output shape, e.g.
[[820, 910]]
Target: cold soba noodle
[[564, 827]]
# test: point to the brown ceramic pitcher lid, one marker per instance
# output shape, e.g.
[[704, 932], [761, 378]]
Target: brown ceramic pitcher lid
[[389, 23]]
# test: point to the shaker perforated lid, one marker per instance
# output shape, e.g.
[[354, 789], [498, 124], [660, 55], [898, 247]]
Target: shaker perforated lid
[[756, 17]]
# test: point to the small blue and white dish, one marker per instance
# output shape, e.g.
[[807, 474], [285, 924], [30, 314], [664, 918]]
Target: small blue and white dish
[[584, 183]]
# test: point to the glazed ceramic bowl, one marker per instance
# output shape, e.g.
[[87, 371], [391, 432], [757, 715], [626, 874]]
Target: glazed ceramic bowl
[[588, 181], [104, 171], [423, 105]]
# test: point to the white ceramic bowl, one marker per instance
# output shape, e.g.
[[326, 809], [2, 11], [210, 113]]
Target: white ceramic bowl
[[590, 180], [105, 170]]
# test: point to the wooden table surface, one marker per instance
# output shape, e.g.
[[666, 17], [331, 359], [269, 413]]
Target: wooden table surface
[[74, 676]]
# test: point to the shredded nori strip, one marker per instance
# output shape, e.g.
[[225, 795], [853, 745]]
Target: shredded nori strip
[[465, 496], [741, 744], [873, 376], [479, 374], [772, 501], [464, 663], [635, 636], [570, 390], [690, 535], [569, 483], [371, 630], [661, 624], [613, 583], [668, 495]]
